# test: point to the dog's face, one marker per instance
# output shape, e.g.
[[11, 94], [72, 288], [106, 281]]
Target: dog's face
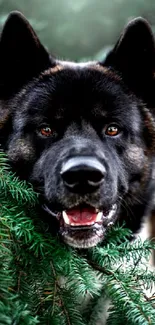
[[79, 135]]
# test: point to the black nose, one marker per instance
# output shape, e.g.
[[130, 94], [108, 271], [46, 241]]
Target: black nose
[[83, 174]]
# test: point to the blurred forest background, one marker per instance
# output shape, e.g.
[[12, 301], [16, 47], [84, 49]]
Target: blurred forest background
[[79, 29]]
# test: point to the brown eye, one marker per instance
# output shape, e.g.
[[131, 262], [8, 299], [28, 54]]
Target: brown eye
[[112, 130], [46, 131]]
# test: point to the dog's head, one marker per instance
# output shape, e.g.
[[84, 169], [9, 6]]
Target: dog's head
[[78, 132]]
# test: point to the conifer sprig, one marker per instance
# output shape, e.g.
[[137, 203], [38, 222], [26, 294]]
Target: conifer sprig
[[10, 184], [43, 281]]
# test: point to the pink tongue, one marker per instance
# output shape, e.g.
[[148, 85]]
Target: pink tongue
[[84, 216]]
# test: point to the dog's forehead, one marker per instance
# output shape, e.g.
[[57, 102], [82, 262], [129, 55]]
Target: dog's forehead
[[70, 82], [76, 89], [87, 85]]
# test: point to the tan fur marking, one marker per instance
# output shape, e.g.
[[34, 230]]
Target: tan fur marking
[[53, 70], [150, 124], [94, 66], [139, 158], [106, 70], [4, 116], [22, 148], [136, 155]]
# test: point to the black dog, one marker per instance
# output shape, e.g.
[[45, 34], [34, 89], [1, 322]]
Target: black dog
[[81, 133]]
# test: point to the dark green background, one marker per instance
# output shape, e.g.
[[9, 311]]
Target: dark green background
[[79, 29]]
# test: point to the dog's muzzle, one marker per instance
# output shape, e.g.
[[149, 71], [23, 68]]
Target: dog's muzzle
[[82, 174]]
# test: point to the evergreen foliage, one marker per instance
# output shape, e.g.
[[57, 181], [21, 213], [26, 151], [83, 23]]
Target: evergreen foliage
[[43, 281]]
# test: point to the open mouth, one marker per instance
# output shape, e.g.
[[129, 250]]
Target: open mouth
[[84, 226]]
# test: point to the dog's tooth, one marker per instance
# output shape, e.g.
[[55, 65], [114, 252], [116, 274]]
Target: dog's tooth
[[110, 224], [99, 216], [65, 217], [114, 207], [79, 224], [111, 213]]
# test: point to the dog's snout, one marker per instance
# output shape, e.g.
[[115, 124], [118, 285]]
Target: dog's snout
[[83, 174]]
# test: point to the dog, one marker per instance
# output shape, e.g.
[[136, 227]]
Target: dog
[[81, 133]]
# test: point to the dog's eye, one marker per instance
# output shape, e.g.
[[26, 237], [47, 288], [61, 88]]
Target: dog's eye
[[46, 131], [112, 130]]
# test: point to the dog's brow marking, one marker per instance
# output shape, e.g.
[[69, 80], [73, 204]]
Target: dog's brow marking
[[53, 70]]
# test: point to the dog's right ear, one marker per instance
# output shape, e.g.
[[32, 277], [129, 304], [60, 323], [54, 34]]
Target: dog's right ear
[[133, 57], [22, 56]]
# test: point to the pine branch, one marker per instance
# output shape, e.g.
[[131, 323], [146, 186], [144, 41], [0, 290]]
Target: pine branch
[[43, 281], [9, 183], [124, 289]]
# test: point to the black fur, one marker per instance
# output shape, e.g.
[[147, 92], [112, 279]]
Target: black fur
[[78, 102]]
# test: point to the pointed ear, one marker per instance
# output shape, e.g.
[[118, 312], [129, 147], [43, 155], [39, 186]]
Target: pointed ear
[[134, 57], [22, 56]]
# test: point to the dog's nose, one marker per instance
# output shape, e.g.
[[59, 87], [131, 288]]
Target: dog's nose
[[83, 174]]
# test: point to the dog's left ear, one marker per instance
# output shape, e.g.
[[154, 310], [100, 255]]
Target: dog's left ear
[[134, 58], [22, 56]]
